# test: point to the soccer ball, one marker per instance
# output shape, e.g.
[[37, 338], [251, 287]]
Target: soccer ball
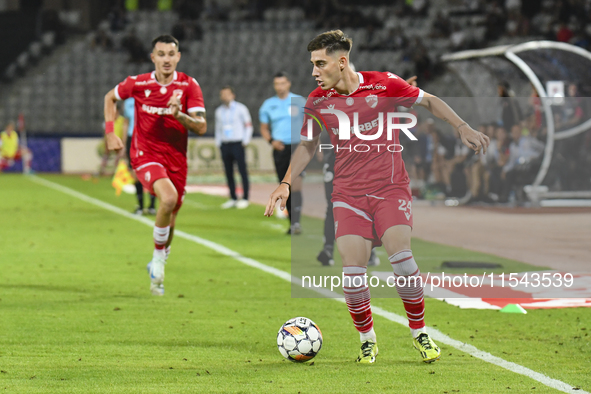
[[299, 339]]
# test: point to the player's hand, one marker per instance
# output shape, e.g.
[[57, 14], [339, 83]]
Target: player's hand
[[473, 139], [175, 105], [113, 142], [277, 145], [281, 193], [412, 80]]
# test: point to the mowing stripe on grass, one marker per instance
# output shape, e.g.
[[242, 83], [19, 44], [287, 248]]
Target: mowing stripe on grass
[[436, 334]]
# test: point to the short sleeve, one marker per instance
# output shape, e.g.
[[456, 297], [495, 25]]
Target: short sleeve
[[313, 118], [194, 97], [264, 114], [124, 90], [407, 94]]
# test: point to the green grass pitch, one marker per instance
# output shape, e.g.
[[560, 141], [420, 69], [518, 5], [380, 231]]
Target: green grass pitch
[[76, 315]]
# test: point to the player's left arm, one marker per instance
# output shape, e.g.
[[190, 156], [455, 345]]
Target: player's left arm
[[195, 121], [473, 139]]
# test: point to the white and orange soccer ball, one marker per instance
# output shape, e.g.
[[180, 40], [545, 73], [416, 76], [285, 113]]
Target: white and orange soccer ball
[[299, 339]]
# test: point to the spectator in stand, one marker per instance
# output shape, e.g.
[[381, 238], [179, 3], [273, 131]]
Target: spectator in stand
[[485, 171], [524, 154], [499, 159], [510, 110], [448, 166], [564, 34], [572, 110]]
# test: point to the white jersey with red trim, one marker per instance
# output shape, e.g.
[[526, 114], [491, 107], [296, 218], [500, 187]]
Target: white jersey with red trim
[[158, 136], [364, 166]]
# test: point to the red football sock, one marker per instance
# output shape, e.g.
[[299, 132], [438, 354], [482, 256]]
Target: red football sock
[[358, 297], [409, 287]]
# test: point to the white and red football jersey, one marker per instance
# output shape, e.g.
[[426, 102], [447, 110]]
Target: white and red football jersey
[[357, 171], [158, 136]]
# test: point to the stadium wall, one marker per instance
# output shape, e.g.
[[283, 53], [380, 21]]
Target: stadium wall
[[83, 155]]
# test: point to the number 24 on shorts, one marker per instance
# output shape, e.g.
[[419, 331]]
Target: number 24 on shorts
[[405, 206]]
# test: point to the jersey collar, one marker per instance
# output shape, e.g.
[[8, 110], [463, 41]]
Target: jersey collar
[[360, 83], [174, 77]]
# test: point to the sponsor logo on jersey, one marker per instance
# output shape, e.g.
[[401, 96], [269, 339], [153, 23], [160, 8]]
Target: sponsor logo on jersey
[[371, 86], [319, 100], [330, 106], [147, 92], [158, 110], [372, 100]]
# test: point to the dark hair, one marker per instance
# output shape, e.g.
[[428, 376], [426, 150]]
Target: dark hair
[[281, 74], [167, 39], [229, 88], [334, 40]]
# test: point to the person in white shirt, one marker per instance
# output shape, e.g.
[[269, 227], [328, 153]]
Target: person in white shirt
[[233, 132]]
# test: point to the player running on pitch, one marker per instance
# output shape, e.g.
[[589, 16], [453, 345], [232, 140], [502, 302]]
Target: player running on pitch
[[371, 197], [167, 104]]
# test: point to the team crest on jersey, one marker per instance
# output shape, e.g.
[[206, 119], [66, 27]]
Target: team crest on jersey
[[372, 100], [178, 93], [390, 75], [147, 92], [147, 176]]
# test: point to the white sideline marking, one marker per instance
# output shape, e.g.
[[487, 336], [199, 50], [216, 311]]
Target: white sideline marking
[[434, 333]]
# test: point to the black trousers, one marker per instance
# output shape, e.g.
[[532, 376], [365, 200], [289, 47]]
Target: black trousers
[[282, 158], [233, 152], [329, 232]]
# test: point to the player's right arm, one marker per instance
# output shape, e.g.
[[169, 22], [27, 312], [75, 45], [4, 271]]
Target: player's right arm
[[113, 142], [299, 160]]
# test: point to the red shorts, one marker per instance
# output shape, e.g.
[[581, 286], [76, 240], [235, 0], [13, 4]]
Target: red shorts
[[371, 215], [150, 172]]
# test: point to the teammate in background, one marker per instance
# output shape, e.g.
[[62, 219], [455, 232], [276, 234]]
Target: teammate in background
[[371, 197], [167, 104], [277, 116], [233, 132], [129, 115], [120, 131]]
